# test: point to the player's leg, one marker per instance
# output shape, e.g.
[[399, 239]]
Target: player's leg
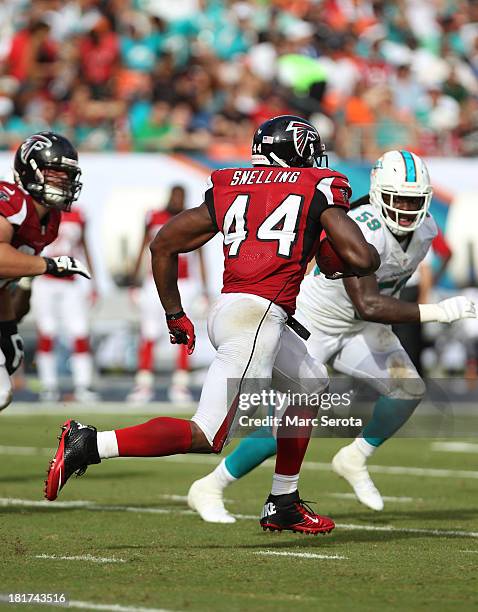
[[376, 355], [303, 379], [44, 302], [76, 309], [207, 494], [5, 384], [233, 328], [178, 390], [151, 319]]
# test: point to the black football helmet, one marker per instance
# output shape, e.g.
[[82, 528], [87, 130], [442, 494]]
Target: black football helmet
[[288, 141], [39, 154]]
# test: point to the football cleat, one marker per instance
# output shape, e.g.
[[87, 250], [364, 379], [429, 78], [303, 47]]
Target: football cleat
[[141, 394], [84, 395], [290, 513], [205, 497], [76, 451], [179, 394], [350, 464]]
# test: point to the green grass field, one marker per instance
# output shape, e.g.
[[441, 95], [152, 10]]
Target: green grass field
[[419, 554]]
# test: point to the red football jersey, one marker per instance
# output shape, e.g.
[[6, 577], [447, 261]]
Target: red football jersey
[[155, 219], [31, 235], [68, 241], [270, 218]]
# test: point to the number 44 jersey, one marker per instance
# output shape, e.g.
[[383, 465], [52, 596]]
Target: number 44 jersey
[[270, 218]]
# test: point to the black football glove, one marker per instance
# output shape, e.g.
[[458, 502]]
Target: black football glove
[[65, 266], [11, 344]]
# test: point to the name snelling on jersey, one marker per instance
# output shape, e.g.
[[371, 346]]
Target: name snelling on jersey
[[260, 177]]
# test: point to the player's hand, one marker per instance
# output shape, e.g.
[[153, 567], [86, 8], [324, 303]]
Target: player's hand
[[456, 308], [11, 344], [65, 266], [181, 330]]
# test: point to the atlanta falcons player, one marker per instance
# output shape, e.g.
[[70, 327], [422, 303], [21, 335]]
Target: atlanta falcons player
[[47, 181], [350, 323], [271, 217]]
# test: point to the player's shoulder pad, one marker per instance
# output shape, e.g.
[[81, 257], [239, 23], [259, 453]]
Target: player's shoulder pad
[[371, 225], [13, 203], [429, 228], [74, 216], [333, 185]]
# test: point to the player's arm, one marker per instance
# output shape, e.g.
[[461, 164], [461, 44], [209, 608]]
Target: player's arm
[[371, 305], [185, 232], [348, 241], [14, 263]]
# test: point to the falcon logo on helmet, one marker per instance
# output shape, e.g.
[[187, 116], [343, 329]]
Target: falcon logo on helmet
[[303, 134], [46, 166], [37, 142], [288, 141]]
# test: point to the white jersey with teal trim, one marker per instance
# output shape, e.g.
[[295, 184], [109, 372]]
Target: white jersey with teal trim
[[325, 302]]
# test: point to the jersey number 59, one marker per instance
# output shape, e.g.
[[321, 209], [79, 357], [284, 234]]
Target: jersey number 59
[[281, 225]]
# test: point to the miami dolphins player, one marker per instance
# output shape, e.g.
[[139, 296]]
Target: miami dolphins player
[[350, 323]]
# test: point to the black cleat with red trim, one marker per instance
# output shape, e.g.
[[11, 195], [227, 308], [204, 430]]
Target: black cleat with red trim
[[76, 451], [289, 512]]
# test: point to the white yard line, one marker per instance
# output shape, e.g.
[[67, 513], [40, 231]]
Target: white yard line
[[117, 408], [387, 498], [92, 506], [89, 605], [397, 470], [455, 447], [82, 558], [475, 552], [300, 555]]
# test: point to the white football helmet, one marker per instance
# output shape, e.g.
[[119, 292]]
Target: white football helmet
[[403, 174]]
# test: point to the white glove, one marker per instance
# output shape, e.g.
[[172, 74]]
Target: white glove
[[65, 266], [448, 310]]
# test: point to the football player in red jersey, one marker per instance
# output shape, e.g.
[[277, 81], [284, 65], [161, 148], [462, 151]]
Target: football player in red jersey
[[152, 326], [271, 217], [64, 305], [47, 181]]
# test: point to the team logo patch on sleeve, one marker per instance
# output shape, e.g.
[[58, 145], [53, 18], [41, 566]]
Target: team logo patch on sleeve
[[303, 135]]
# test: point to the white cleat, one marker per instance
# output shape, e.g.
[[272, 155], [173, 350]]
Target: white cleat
[[205, 497], [141, 394], [179, 394], [350, 464]]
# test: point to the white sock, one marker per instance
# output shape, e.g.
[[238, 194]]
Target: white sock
[[364, 447], [222, 476], [46, 366], [281, 484], [107, 444], [82, 370]]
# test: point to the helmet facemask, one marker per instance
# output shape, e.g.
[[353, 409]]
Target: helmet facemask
[[401, 191], [56, 186], [401, 221]]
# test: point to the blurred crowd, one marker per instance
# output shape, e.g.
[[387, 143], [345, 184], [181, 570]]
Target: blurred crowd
[[199, 75]]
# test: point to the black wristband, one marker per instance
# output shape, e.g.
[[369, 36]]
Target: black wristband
[[176, 315], [8, 328], [50, 266]]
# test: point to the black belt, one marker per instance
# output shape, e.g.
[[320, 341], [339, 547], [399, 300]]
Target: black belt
[[299, 329]]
